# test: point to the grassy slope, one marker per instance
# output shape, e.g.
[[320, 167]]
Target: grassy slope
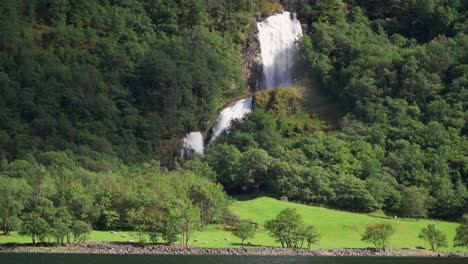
[[338, 229]]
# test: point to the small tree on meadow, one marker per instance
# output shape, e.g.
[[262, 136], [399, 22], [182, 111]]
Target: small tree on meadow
[[378, 234], [289, 229], [311, 236], [434, 236], [461, 236], [244, 231]]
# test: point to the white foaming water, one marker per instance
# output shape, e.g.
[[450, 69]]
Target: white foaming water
[[193, 143], [235, 111], [278, 36]]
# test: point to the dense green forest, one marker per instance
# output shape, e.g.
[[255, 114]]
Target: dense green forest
[[95, 96], [124, 78]]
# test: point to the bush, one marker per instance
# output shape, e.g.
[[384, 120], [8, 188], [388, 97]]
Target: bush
[[244, 231], [289, 230], [36, 227], [80, 231], [378, 234], [461, 236], [434, 236]]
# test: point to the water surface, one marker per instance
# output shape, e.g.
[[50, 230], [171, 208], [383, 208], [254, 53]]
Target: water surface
[[137, 259]]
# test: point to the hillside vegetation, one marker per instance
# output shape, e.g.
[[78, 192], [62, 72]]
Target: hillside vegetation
[[96, 95]]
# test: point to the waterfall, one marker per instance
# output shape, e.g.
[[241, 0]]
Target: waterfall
[[278, 36], [193, 143], [235, 111]]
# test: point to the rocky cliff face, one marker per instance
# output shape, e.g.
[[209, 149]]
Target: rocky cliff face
[[252, 66], [292, 5]]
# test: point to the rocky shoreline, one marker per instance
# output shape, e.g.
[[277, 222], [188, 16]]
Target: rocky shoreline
[[131, 248]]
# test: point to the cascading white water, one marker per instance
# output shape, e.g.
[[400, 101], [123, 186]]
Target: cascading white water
[[193, 143], [235, 111], [278, 36]]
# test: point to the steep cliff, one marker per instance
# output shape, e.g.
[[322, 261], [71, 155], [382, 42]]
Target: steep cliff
[[252, 65]]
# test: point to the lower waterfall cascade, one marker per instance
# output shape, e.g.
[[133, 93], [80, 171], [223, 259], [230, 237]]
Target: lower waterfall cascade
[[278, 36]]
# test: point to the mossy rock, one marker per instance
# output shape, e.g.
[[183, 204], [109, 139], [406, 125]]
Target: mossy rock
[[281, 101], [287, 106]]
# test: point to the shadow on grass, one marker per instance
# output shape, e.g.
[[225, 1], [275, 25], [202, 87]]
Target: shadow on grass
[[247, 197], [237, 244], [396, 219]]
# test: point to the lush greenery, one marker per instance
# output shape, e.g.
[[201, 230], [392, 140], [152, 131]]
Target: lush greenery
[[243, 231], [124, 78], [338, 229], [400, 145], [435, 237], [461, 237], [92, 93], [95, 96], [59, 200], [378, 234], [289, 230]]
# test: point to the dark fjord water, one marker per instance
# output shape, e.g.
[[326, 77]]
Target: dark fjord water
[[153, 259]]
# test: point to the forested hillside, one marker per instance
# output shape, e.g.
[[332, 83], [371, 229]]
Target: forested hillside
[[399, 73], [124, 78]]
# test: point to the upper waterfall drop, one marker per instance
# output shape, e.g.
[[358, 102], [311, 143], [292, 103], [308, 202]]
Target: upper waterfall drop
[[278, 36]]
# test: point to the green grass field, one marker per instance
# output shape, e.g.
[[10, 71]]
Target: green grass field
[[338, 229]]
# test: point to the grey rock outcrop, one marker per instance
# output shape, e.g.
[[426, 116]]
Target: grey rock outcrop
[[252, 61]]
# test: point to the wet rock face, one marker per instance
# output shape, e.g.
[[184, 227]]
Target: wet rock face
[[253, 66], [292, 5]]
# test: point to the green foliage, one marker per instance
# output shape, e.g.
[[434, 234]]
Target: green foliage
[[353, 195], [310, 235], [289, 230], [413, 203], [461, 236], [289, 108], [378, 234], [244, 231], [61, 231], [15, 193], [434, 237], [80, 231], [397, 73], [35, 227], [124, 79], [170, 228]]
